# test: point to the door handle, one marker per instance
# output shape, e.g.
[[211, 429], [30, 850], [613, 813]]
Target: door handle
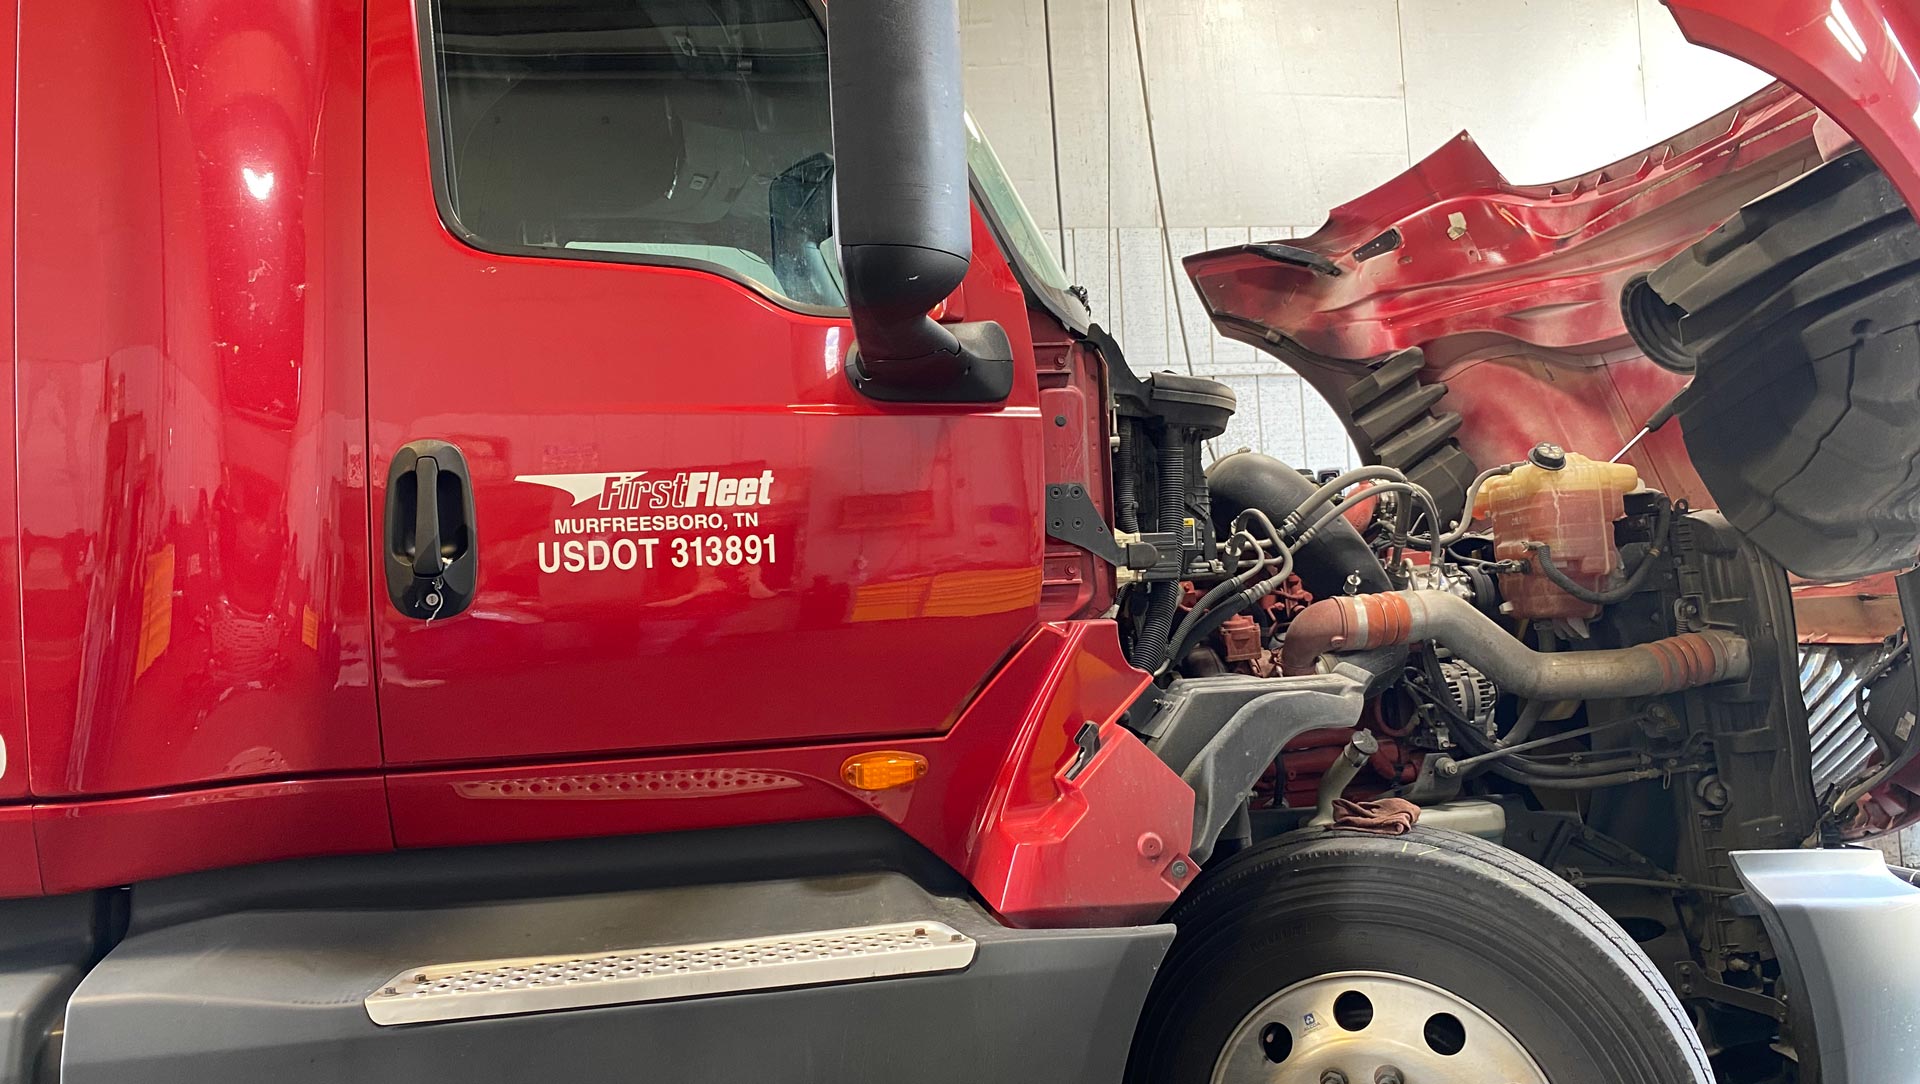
[[427, 558], [432, 553]]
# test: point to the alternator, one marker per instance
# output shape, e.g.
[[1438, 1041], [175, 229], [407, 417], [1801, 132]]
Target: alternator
[[1473, 693]]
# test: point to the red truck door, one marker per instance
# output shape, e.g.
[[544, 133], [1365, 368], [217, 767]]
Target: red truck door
[[600, 268]]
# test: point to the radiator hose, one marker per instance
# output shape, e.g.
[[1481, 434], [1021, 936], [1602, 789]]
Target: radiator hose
[[1360, 622]]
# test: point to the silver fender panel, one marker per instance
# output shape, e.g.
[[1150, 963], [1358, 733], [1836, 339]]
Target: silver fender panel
[[1848, 933]]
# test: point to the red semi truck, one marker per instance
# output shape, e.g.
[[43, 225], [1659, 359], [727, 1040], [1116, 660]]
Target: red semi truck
[[592, 540]]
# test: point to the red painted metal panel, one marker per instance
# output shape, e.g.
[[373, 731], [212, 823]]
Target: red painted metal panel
[[14, 754], [993, 804], [120, 840], [906, 539], [1852, 58], [1863, 611], [19, 856], [1109, 849], [1072, 394], [193, 527]]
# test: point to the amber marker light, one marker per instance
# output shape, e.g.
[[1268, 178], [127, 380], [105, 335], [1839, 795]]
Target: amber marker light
[[882, 771]]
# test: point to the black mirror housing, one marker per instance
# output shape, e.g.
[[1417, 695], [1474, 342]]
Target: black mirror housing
[[902, 209]]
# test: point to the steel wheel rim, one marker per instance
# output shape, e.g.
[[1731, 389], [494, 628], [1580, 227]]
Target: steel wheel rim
[[1370, 1026]]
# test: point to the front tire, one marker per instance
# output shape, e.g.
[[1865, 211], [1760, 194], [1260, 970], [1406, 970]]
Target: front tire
[[1435, 953]]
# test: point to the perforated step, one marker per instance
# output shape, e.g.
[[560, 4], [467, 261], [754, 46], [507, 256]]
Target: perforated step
[[472, 990]]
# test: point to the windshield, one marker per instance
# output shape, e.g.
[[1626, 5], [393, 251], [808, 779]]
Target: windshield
[[1003, 201]]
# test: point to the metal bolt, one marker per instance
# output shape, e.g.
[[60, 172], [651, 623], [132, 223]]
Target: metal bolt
[[1388, 1074], [1333, 1076], [1179, 870], [432, 599], [1447, 767]]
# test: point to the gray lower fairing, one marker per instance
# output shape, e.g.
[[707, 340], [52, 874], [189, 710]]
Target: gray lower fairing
[[1847, 930]]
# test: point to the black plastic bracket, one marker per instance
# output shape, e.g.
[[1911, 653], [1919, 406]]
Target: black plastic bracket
[[1380, 245], [1073, 519], [1087, 738], [981, 372], [1295, 255], [1907, 586]]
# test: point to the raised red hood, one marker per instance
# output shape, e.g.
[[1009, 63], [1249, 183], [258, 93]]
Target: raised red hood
[[1454, 319], [1510, 294]]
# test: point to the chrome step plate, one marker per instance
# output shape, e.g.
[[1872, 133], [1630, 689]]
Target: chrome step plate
[[469, 991]]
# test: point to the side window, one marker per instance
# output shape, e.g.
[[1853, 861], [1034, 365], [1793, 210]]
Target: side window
[[653, 131]]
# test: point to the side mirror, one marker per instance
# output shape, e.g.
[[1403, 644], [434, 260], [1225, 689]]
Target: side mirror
[[902, 209]]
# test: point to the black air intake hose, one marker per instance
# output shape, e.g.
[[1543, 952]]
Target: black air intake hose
[[1126, 499], [1172, 509], [1246, 480], [1163, 603]]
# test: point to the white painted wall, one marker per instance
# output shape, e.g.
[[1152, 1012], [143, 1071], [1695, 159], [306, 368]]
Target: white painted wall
[[1269, 112]]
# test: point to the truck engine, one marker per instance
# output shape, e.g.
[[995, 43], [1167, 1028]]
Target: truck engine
[[1565, 662]]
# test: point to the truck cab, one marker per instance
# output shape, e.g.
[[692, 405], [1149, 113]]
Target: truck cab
[[549, 537], [587, 256]]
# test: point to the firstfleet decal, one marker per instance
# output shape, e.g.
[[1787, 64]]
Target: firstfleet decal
[[638, 520]]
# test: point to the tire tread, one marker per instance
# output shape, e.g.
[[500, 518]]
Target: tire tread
[[1224, 896]]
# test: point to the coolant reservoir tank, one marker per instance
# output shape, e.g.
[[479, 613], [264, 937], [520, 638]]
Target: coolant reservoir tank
[[1569, 502]]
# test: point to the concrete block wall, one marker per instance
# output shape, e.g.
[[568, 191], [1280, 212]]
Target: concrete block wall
[[1267, 113], [1901, 848]]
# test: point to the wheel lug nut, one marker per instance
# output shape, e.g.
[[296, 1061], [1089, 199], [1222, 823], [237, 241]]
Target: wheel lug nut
[[1333, 1076], [1387, 1074]]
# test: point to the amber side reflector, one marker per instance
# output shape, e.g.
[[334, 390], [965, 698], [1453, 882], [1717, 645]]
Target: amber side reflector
[[882, 771]]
